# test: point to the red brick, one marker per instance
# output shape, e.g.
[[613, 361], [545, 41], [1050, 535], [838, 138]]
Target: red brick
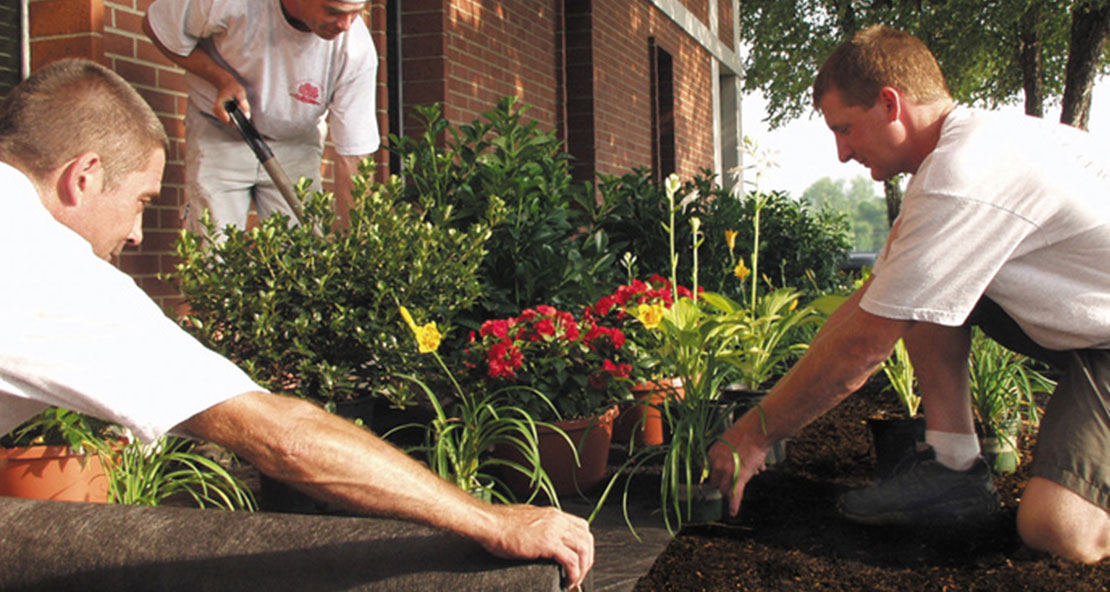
[[65, 17], [44, 51], [136, 73]]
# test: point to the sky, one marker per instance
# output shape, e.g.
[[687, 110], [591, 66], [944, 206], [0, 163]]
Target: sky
[[805, 151]]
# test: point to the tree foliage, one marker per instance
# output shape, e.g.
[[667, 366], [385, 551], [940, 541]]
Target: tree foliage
[[859, 202], [991, 52]]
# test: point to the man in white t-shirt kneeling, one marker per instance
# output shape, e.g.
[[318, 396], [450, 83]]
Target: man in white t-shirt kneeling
[[1005, 224]]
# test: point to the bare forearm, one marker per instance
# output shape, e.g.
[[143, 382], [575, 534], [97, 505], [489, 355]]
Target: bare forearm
[[335, 460], [341, 462], [199, 63], [345, 168]]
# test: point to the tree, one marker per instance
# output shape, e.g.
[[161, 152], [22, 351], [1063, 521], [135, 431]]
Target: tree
[[865, 211], [990, 52]]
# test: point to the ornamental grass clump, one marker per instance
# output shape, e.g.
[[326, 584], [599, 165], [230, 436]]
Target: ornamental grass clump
[[582, 367]]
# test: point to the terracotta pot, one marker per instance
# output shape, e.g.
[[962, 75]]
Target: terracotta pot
[[52, 473], [641, 418], [591, 436]]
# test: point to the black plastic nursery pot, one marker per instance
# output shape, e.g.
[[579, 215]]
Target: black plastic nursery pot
[[738, 400], [893, 438]]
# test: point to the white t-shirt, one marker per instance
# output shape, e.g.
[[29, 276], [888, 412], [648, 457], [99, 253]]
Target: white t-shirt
[[78, 333], [293, 78], [1013, 207]]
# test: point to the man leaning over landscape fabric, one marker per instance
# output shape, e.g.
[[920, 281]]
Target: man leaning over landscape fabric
[[81, 155], [1005, 224], [295, 67]]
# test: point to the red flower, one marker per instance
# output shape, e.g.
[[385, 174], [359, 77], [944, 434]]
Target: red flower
[[504, 359], [616, 370], [498, 328]]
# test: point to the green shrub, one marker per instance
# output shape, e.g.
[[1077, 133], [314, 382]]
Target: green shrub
[[317, 315], [505, 172]]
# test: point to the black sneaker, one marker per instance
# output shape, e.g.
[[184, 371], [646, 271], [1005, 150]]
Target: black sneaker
[[921, 490]]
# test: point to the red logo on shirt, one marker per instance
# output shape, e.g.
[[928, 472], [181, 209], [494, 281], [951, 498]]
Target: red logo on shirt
[[307, 92]]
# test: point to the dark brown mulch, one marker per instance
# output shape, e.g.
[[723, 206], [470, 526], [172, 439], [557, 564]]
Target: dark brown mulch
[[789, 536]]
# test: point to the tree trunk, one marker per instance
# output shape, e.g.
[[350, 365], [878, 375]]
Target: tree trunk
[[893, 194], [1032, 62], [1090, 24]]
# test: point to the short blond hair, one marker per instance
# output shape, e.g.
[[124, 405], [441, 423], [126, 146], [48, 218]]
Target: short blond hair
[[73, 106], [879, 56]]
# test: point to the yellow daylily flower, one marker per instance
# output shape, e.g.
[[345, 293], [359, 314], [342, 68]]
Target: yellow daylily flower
[[741, 271], [730, 240], [427, 337], [649, 314]]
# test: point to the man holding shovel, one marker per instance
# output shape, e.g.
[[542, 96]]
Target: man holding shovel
[[294, 67]]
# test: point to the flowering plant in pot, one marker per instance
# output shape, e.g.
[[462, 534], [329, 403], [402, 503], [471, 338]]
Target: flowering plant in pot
[[636, 309], [581, 370], [459, 439]]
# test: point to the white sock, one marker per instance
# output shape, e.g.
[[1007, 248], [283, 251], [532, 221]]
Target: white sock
[[954, 450]]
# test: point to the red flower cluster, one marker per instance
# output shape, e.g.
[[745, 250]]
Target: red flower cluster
[[580, 365], [656, 289]]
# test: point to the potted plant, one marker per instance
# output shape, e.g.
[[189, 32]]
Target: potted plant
[[635, 309], [457, 444], [581, 370], [692, 335], [1002, 387], [59, 455], [895, 436], [170, 468], [68, 456]]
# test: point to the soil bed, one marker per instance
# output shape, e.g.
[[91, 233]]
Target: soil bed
[[790, 537]]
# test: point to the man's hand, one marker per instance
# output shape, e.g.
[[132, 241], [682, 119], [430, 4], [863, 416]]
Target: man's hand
[[231, 89], [531, 532], [723, 460]]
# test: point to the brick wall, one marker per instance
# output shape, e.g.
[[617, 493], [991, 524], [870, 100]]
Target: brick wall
[[499, 49], [622, 89], [464, 53], [725, 30]]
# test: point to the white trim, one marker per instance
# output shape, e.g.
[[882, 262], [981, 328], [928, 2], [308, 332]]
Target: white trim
[[698, 31], [24, 40]]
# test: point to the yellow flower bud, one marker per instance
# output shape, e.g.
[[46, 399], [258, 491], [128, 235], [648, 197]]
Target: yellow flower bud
[[730, 240]]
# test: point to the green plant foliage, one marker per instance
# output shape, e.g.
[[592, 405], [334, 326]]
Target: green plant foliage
[[147, 475], [799, 247], [1003, 384], [504, 171], [317, 315], [899, 372], [56, 426], [458, 444]]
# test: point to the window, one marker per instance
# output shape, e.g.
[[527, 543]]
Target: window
[[662, 111]]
